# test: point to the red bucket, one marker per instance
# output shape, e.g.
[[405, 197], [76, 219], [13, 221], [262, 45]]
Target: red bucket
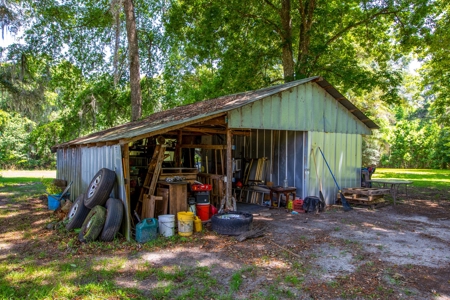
[[212, 210], [203, 211]]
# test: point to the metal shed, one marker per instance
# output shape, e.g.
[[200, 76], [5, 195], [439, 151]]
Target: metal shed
[[285, 123]]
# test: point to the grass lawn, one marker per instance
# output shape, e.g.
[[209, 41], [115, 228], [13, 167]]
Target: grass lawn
[[427, 178]]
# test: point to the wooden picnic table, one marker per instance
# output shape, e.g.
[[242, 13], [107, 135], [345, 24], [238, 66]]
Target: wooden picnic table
[[393, 184]]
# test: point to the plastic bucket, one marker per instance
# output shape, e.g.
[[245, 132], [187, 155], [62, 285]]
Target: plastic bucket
[[146, 230], [185, 223], [213, 210], [197, 224], [53, 201], [203, 211], [166, 225]]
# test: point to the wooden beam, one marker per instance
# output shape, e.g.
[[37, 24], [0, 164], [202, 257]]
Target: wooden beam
[[165, 130], [239, 132], [90, 145], [206, 130], [202, 146], [178, 149], [126, 201], [201, 131], [184, 133], [220, 121], [229, 161], [340, 98], [100, 144], [111, 143]]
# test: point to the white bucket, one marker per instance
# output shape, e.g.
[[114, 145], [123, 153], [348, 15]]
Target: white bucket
[[166, 225]]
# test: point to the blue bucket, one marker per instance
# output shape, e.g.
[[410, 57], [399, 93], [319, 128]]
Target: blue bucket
[[53, 201]]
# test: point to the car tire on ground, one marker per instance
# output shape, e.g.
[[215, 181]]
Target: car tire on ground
[[231, 223], [77, 213], [100, 187], [114, 214], [93, 224]]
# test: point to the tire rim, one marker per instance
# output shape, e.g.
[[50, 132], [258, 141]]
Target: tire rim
[[94, 186], [73, 211], [89, 224]]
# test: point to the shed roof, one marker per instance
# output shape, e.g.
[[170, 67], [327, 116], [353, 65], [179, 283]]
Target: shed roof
[[189, 114]]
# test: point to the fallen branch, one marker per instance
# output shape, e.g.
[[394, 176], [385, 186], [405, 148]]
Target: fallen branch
[[250, 234], [287, 250]]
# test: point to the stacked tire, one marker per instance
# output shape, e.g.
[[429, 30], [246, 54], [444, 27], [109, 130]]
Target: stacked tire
[[98, 215]]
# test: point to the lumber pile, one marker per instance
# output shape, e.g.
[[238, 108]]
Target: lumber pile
[[373, 197]]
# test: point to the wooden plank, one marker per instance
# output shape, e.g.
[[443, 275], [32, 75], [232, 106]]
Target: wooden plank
[[229, 162], [177, 198], [178, 153], [177, 171], [366, 191], [126, 226], [162, 206], [216, 121], [203, 146], [364, 202], [148, 207], [205, 130], [366, 198]]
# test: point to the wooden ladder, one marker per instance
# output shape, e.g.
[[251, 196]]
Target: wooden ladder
[[154, 169]]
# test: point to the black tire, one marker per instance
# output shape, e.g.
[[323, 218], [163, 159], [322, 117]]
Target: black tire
[[93, 224], [114, 214], [77, 213], [231, 223], [100, 187]]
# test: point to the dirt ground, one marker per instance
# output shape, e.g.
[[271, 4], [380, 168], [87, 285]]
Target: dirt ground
[[393, 252]]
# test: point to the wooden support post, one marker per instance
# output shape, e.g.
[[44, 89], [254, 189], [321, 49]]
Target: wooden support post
[[229, 163], [178, 149], [126, 230], [221, 161], [215, 161]]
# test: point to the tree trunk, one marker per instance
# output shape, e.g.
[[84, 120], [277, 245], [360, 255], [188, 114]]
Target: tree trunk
[[288, 55], [306, 11], [135, 80]]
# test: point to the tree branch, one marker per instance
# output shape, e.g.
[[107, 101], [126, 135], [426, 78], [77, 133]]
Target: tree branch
[[351, 26], [267, 21], [272, 5]]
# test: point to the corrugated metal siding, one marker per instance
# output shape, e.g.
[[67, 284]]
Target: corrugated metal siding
[[284, 149], [343, 153], [68, 167], [81, 164], [306, 107]]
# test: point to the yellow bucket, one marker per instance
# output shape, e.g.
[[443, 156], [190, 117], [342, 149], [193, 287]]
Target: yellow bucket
[[198, 224], [185, 223]]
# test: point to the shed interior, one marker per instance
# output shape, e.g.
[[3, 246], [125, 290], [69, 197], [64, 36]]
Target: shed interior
[[197, 153]]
